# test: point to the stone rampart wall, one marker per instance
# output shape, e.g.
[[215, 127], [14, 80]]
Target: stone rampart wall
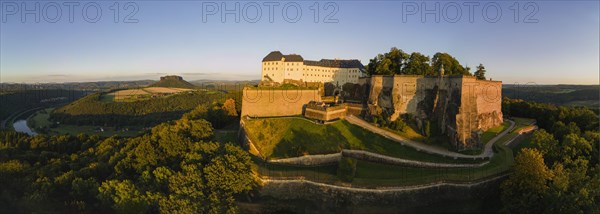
[[274, 103]]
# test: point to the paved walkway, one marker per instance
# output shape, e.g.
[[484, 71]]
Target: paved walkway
[[488, 147], [487, 152]]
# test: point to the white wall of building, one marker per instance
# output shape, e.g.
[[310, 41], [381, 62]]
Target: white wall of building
[[281, 70]]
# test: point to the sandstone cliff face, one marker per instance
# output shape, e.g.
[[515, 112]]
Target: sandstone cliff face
[[462, 107]]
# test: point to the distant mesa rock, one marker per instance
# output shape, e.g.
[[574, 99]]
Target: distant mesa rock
[[172, 77], [172, 82]]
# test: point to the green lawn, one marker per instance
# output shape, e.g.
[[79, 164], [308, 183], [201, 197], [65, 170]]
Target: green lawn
[[292, 137], [40, 118], [409, 133], [493, 132], [508, 136], [487, 136], [371, 175]]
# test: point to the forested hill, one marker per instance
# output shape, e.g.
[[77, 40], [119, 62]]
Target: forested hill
[[14, 101], [177, 167], [91, 110], [173, 82], [564, 95]]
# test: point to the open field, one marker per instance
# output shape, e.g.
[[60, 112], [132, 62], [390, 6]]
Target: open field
[[130, 95], [292, 137], [40, 123], [40, 119], [165, 90]]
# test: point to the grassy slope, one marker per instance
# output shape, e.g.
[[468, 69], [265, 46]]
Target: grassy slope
[[493, 132], [374, 174], [291, 137], [409, 133], [371, 175], [40, 118]]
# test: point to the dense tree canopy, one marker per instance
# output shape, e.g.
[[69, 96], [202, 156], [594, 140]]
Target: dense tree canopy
[[388, 63], [525, 189], [561, 174], [19, 100], [418, 64], [547, 115], [397, 61], [92, 110], [174, 168], [451, 65]]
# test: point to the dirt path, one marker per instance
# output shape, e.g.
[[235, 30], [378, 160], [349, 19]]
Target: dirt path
[[487, 152]]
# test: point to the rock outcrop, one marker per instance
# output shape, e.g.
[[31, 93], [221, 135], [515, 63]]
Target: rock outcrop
[[460, 107]]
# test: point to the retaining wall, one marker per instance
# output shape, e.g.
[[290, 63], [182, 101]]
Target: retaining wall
[[310, 197], [275, 103]]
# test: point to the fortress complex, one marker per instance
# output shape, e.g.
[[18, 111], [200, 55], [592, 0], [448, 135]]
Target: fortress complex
[[459, 107], [280, 69]]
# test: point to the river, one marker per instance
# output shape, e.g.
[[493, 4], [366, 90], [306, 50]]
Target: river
[[21, 126]]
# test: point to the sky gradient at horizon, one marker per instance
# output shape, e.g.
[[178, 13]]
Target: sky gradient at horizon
[[171, 38]]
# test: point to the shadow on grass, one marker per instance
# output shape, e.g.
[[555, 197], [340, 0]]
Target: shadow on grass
[[301, 142]]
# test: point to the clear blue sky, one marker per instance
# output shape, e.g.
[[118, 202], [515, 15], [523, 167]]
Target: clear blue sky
[[171, 38]]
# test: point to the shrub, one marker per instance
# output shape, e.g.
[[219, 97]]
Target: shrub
[[398, 125], [427, 128]]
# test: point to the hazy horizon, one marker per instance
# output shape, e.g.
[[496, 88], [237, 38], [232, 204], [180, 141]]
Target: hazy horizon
[[545, 42]]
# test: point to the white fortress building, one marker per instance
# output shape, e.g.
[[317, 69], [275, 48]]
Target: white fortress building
[[278, 69]]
